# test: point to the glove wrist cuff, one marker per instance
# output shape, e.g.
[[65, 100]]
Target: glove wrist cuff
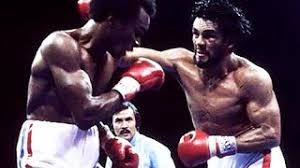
[[127, 87], [222, 145]]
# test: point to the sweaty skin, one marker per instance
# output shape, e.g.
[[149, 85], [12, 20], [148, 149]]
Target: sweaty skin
[[230, 97], [58, 71], [71, 70]]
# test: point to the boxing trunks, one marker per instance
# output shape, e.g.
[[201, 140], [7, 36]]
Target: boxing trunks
[[268, 159], [46, 144]]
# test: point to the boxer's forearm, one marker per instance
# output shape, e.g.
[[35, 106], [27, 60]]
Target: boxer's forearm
[[258, 139], [98, 108]]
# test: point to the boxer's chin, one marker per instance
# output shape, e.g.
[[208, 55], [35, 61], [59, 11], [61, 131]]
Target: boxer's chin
[[202, 61]]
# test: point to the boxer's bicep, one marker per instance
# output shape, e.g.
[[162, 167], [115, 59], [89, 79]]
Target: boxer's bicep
[[63, 59], [265, 132], [174, 57], [73, 87], [167, 58], [72, 84], [263, 113], [262, 107], [265, 117]]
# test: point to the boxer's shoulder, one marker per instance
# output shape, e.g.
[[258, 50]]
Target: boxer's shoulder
[[57, 38], [59, 46], [253, 75], [253, 80], [179, 52], [179, 55], [250, 73]]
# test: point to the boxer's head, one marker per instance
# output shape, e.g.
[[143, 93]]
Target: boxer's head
[[126, 122], [218, 26], [124, 10], [129, 20]]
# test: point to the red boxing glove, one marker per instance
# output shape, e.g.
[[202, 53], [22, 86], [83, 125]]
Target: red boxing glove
[[131, 160], [119, 150], [196, 147], [83, 7], [144, 74]]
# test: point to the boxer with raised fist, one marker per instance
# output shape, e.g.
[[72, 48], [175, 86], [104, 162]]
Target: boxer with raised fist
[[68, 90], [229, 97]]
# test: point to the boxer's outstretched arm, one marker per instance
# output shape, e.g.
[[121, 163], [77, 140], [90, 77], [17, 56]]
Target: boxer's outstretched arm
[[263, 111], [168, 59], [73, 85]]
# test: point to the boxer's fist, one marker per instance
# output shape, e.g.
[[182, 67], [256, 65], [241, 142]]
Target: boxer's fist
[[83, 7], [197, 147], [119, 150], [131, 159], [144, 74], [193, 148]]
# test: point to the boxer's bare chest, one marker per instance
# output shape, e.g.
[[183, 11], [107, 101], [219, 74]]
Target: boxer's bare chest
[[214, 105]]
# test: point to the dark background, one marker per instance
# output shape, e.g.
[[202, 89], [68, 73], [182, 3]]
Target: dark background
[[274, 46]]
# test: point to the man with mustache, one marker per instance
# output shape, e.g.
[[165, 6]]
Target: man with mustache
[[231, 100], [152, 154]]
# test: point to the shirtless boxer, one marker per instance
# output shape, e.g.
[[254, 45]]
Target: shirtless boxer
[[67, 90], [231, 100]]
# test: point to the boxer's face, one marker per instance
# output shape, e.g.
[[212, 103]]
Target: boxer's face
[[209, 44], [124, 124], [125, 36]]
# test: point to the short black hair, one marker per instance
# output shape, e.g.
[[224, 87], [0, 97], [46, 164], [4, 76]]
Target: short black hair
[[123, 9], [230, 18]]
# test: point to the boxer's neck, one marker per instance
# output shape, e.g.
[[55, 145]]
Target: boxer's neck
[[214, 74]]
